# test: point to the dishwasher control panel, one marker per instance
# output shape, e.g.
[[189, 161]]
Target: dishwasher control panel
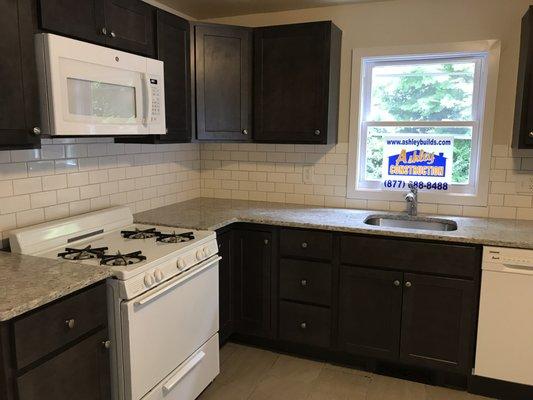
[[502, 255]]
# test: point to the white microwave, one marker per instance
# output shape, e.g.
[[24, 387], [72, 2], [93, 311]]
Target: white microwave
[[90, 90]]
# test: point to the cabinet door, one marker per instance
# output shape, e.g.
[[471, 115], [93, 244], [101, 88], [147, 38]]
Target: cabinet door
[[438, 315], [523, 121], [253, 256], [173, 47], [130, 26], [370, 312], [82, 19], [292, 82], [80, 372], [19, 108], [225, 268], [223, 82]]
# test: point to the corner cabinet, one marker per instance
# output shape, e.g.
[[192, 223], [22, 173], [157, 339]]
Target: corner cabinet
[[296, 83], [223, 59], [253, 255], [19, 106], [126, 25]]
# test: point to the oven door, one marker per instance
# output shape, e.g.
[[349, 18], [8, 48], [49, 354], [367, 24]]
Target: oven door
[[166, 325]]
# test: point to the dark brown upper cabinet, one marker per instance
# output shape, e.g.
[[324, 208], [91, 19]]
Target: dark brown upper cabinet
[[123, 24], [173, 48], [523, 122], [223, 82], [296, 83], [19, 106]]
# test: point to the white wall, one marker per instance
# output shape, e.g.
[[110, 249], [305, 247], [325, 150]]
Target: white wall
[[268, 172], [71, 176]]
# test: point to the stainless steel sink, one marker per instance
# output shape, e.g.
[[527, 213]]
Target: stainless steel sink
[[407, 222]]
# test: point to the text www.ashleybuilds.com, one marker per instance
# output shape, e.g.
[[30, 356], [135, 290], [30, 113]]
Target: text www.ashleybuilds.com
[[419, 142]]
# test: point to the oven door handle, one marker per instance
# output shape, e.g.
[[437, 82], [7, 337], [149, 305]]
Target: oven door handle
[[197, 270], [183, 371]]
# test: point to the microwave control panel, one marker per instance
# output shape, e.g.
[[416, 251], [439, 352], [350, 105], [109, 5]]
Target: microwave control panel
[[156, 99]]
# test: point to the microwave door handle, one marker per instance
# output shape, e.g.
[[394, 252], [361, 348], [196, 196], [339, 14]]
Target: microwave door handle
[[147, 100]]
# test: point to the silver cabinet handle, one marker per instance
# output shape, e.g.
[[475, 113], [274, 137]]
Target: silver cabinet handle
[[408, 284], [303, 325], [70, 323], [265, 241], [106, 344], [303, 282], [36, 130], [317, 132], [531, 134], [112, 34], [104, 31], [396, 283], [245, 131], [304, 245]]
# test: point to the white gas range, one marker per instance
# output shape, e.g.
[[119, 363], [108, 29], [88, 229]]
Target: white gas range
[[163, 299]]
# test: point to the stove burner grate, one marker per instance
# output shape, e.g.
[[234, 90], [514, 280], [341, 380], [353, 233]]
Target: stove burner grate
[[122, 259], [174, 237], [82, 254], [140, 234]]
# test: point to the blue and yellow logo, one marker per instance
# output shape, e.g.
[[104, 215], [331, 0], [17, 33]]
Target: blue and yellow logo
[[417, 163]]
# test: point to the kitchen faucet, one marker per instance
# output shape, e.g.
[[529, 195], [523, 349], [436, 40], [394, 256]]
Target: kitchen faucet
[[412, 199]]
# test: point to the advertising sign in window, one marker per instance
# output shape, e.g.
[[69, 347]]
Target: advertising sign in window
[[425, 160]]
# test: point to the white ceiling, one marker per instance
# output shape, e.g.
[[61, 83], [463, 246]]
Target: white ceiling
[[202, 9]]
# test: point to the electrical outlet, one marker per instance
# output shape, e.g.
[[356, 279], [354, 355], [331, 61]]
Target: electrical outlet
[[524, 183], [308, 174]]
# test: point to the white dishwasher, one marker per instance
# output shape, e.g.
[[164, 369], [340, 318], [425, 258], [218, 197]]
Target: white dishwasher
[[504, 348]]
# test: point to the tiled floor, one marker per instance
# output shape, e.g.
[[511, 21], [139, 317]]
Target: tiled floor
[[248, 373]]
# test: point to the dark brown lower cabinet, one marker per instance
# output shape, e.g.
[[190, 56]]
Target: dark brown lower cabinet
[[370, 309], [437, 321], [225, 281], [81, 373], [252, 283]]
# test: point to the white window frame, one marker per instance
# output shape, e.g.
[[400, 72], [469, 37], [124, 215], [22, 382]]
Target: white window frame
[[486, 56]]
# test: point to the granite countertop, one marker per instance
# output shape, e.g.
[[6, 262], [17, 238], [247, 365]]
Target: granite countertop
[[212, 214], [27, 282]]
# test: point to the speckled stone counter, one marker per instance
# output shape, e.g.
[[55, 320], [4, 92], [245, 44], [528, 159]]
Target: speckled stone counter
[[27, 282], [212, 214]]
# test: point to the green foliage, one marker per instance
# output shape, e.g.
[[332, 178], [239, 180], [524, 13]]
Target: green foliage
[[439, 92]]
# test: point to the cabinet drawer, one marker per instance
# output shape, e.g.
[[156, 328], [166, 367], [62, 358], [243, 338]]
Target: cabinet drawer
[[305, 281], [80, 372], [304, 324], [46, 330], [411, 256], [306, 244]]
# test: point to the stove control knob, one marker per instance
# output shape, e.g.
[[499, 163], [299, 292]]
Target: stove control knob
[[200, 255], [207, 251], [181, 263], [158, 275], [148, 279]]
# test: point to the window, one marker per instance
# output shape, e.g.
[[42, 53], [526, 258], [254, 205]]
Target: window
[[436, 94]]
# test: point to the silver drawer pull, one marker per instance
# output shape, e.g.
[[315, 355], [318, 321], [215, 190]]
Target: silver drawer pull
[[408, 284], [303, 325], [303, 282], [70, 323], [396, 283], [106, 344], [304, 245]]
